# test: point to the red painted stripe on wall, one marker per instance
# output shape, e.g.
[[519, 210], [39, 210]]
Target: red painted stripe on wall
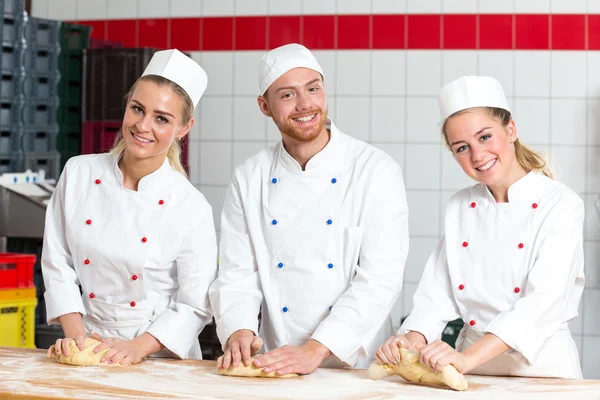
[[358, 32]]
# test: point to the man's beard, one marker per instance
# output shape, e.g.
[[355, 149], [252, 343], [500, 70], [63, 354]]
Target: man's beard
[[306, 134]]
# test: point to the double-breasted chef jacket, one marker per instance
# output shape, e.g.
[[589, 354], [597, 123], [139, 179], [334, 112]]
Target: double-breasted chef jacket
[[144, 259], [321, 250], [512, 269]]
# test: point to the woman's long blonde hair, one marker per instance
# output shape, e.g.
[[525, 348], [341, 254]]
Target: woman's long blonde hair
[[528, 159], [174, 153]]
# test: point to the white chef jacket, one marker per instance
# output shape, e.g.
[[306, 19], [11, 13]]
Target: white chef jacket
[[322, 250], [144, 259], [513, 269]]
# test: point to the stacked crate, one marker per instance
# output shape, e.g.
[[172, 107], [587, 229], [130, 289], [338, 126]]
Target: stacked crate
[[38, 143], [73, 39], [12, 38], [17, 300]]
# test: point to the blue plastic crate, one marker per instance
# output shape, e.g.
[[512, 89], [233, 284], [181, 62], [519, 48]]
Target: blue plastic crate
[[10, 162], [12, 29], [40, 113], [41, 86], [42, 59], [46, 161], [10, 113], [11, 85], [12, 57], [12, 7], [10, 137], [42, 33], [38, 139]]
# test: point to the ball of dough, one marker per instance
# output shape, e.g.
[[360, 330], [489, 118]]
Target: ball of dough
[[251, 371], [86, 356]]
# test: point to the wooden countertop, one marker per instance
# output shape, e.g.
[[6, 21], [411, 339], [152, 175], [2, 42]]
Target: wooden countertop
[[28, 374]]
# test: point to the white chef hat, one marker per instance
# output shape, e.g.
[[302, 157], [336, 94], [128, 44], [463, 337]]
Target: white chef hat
[[179, 68], [469, 92], [280, 60]]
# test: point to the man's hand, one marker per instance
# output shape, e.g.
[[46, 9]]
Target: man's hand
[[439, 354], [294, 359], [388, 353], [241, 346]]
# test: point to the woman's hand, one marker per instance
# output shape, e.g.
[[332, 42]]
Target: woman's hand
[[128, 351], [389, 352], [438, 354], [62, 345]]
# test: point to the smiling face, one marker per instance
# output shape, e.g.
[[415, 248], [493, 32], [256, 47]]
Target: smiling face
[[153, 120], [483, 146], [297, 103]]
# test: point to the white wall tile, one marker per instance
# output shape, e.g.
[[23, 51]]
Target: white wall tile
[[500, 65], [353, 116], [254, 7], [215, 163], [388, 75], [496, 7], [388, 6], [592, 262], [418, 254], [591, 325], [568, 121], [318, 6], [593, 169], [593, 122], [568, 72], [353, 75], [331, 108], [243, 150], [394, 150], [194, 160], [249, 123], [327, 61], [570, 166], [459, 7], [424, 206], [122, 9], [218, 65], [62, 10], [153, 9], [457, 63], [592, 218], [424, 6], [532, 73], [285, 7], [593, 79], [424, 72], [424, 167], [39, 8], [422, 117], [568, 7], [212, 8], [245, 72], [216, 116], [353, 7], [453, 177], [215, 195], [532, 119], [91, 10], [408, 292], [532, 6], [387, 119], [185, 8], [591, 357], [593, 7]]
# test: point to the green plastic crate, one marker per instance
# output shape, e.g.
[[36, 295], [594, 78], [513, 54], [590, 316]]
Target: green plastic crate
[[70, 64], [74, 37], [69, 92], [69, 115], [69, 141]]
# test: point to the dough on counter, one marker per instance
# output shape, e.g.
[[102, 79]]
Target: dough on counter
[[85, 356], [251, 371], [413, 370]]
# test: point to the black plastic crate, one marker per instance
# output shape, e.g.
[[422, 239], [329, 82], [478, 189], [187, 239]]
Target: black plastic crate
[[39, 140], [9, 139], [12, 57], [41, 59], [12, 7], [42, 33], [41, 86], [48, 162], [10, 113], [12, 29], [70, 64], [69, 140], [11, 85], [108, 75], [74, 37], [40, 113]]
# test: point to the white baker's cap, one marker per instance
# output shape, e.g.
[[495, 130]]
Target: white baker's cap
[[179, 68], [469, 92], [280, 60]]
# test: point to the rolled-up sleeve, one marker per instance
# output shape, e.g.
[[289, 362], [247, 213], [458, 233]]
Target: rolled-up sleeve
[[178, 327], [554, 284], [236, 296], [363, 308], [62, 294], [433, 304]]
